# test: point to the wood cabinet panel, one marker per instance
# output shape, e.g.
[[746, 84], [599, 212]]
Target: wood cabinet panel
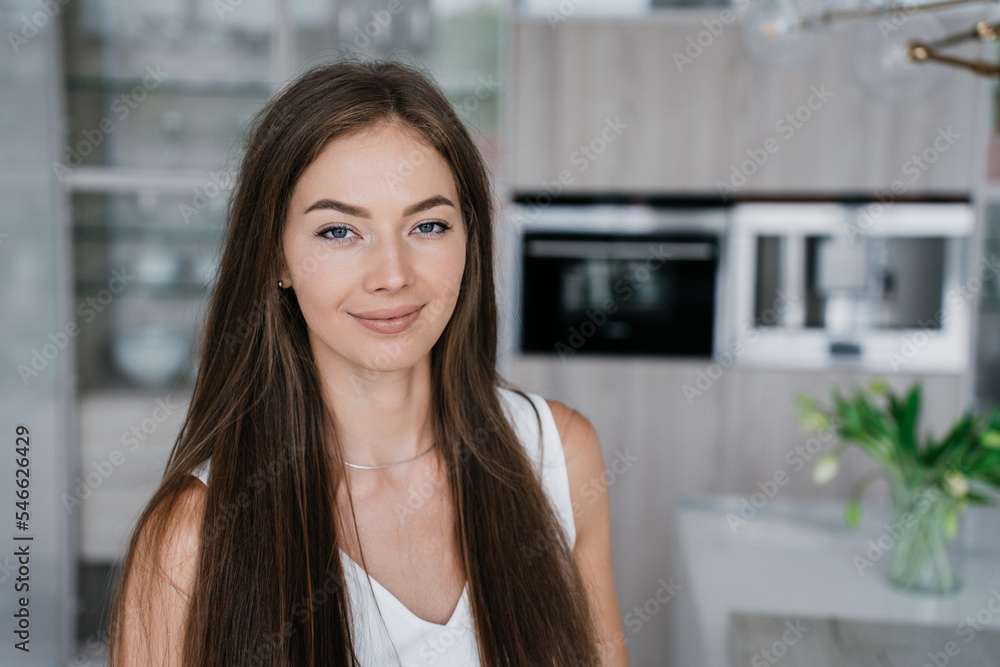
[[687, 130]]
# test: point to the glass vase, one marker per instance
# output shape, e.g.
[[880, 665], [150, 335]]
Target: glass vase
[[921, 558]]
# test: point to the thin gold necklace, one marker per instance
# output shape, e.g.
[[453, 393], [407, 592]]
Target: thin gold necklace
[[386, 465]]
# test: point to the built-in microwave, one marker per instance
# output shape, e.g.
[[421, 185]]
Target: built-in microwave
[[619, 279], [885, 287]]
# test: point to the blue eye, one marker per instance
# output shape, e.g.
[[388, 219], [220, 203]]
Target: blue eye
[[445, 227], [335, 229]]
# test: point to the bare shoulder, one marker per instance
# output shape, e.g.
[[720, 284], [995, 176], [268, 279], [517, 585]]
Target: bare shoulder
[[579, 437], [584, 467], [177, 554], [161, 582]]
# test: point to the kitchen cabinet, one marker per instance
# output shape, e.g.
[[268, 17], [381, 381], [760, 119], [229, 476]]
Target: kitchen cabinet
[[613, 105]]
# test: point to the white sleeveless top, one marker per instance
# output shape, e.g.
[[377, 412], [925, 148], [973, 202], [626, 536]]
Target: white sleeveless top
[[418, 642]]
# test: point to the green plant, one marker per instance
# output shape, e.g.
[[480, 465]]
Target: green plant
[[932, 480], [964, 464]]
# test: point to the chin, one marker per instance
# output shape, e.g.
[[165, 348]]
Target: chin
[[391, 355]]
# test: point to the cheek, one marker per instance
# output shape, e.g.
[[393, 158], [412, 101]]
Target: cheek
[[300, 262], [448, 273], [321, 286]]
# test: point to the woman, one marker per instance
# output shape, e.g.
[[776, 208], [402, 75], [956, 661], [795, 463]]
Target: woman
[[354, 484]]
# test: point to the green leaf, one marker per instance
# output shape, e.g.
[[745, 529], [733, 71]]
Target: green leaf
[[869, 415], [852, 514], [950, 524], [805, 401], [990, 439], [955, 442], [976, 498], [907, 419], [848, 413]]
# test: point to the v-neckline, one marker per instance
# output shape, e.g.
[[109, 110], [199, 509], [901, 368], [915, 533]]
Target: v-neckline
[[398, 603]]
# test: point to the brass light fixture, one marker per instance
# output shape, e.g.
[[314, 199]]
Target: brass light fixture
[[778, 26]]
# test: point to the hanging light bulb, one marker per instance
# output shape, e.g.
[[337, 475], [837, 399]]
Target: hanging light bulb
[[777, 32], [882, 64]]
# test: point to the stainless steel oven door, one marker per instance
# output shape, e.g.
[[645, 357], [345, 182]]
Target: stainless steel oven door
[[649, 293]]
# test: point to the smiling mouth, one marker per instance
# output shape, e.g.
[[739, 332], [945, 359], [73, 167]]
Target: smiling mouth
[[387, 314], [389, 325]]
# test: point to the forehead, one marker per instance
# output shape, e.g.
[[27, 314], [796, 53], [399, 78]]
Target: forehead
[[388, 164]]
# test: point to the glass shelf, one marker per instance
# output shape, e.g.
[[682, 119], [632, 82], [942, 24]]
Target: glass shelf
[[100, 84], [181, 289], [131, 233]]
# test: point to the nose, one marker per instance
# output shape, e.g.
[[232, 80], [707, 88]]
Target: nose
[[389, 266]]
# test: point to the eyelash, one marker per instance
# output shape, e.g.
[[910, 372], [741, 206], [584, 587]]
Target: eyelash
[[330, 228]]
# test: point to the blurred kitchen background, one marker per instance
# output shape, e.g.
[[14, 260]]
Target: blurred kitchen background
[[703, 212]]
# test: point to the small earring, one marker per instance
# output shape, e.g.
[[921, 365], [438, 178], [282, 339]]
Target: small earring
[[279, 284]]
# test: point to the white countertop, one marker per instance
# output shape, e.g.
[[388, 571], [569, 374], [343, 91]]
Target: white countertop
[[797, 558]]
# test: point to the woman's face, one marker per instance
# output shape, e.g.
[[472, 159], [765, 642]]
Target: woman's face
[[374, 224]]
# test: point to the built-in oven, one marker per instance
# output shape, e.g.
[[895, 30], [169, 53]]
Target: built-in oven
[[623, 280]]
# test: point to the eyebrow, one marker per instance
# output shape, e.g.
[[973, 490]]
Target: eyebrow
[[358, 212]]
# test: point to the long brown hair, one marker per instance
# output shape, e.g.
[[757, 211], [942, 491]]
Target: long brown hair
[[269, 586]]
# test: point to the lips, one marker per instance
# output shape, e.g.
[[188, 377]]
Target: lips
[[387, 313], [398, 319]]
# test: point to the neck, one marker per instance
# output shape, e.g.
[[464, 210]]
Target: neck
[[382, 417]]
